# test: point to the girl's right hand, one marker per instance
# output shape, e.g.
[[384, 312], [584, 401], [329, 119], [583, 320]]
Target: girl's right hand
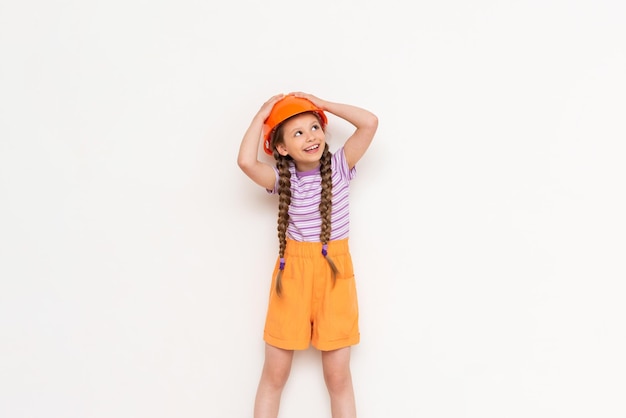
[[267, 107]]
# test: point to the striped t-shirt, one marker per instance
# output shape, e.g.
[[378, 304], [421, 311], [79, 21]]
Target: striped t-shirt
[[305, 222]]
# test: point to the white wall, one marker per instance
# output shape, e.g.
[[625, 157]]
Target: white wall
[[487, 218]]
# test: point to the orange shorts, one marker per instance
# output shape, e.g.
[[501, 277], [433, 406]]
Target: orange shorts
[[310, 310]]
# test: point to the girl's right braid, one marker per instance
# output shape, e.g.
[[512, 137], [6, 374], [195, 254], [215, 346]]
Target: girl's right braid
[[284, 200]]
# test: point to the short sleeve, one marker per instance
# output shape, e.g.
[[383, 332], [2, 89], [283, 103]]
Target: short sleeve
[[340, 165]]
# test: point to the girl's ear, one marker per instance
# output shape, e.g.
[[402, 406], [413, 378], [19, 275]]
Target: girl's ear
[[281, 149]]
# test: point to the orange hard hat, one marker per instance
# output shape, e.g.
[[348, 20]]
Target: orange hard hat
[[283, 109]]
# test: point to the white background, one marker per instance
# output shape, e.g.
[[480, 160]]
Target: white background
[[488, 229]]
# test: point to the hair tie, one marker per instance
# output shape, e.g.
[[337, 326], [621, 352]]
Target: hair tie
[[282, 263], [324, 249]]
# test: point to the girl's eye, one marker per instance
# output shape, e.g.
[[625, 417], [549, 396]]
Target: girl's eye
[[298, 133], [315, 127]]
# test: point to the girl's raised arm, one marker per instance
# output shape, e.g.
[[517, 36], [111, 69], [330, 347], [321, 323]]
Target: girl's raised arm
[[248, 159], [366, 124]]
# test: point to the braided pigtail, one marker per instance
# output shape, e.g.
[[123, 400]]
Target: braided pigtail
[[284, 200], [326, 206]]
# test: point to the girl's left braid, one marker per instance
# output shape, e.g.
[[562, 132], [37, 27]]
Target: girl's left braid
[[326, 204]]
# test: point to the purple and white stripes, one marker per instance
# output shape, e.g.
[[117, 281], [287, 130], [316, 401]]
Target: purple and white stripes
[[305, 222]]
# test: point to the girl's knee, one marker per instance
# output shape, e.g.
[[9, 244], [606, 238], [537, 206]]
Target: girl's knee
[[338, 380], [276, 377]]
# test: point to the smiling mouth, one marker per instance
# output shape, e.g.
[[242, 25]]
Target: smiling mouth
[[311, 149]]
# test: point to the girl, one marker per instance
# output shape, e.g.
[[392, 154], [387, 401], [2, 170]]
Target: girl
[[313, 295]]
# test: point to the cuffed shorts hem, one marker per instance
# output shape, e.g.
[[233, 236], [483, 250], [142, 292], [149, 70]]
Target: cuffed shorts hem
[[337, 344], [285, 345], [304, 345]]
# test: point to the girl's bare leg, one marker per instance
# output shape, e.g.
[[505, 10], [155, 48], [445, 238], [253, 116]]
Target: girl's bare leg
[[338, 379], [273, 378]]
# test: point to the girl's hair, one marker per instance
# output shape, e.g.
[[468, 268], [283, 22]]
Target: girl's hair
[[284, 200]]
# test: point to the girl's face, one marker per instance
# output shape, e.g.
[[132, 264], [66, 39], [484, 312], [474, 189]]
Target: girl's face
[[304, 140]]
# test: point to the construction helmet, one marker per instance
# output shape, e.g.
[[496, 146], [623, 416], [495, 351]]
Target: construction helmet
[[285, 108]]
